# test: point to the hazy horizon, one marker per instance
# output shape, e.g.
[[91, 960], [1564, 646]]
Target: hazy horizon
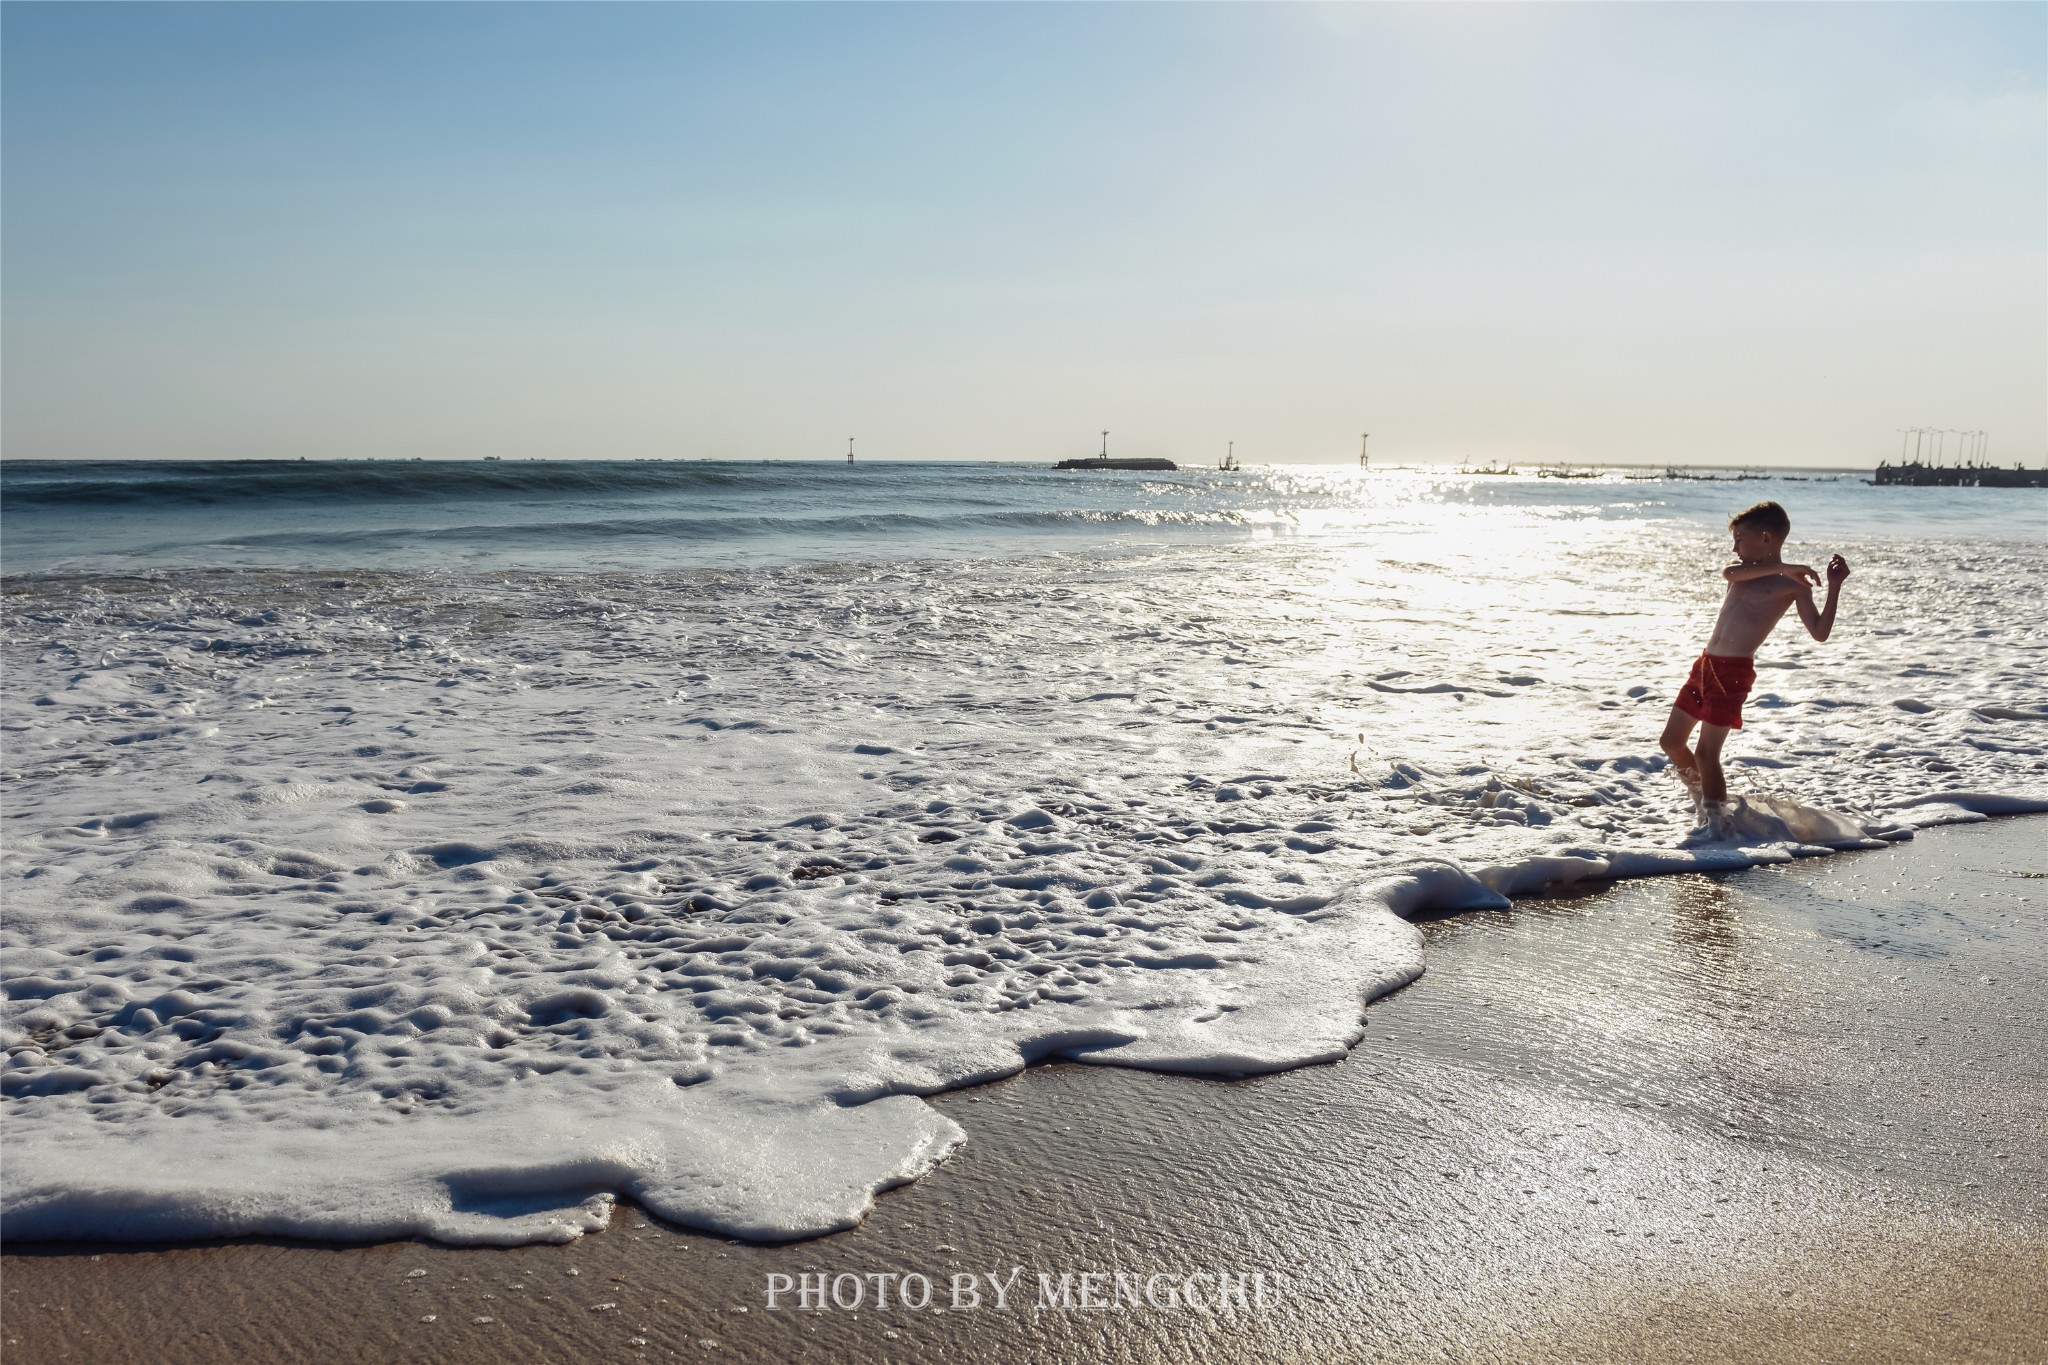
[[840, 460], [1682, 234]]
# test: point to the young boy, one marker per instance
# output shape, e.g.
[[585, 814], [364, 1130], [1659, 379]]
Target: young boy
[[1760, 587]]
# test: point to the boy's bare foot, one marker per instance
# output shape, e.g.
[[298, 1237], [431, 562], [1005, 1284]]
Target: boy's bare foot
[[1690, 779], [1717, 823]]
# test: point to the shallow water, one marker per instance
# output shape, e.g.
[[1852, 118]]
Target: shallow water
[[349, 897]]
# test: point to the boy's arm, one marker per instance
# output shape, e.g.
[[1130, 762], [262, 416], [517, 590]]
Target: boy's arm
[[1738, 572], [1820, 623]]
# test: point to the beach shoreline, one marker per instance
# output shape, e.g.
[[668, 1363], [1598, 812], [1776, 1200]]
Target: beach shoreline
[[1779, 1113]]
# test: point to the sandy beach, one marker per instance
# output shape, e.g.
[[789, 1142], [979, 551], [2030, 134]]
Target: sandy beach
[[1023, 683], [1783, 1113]]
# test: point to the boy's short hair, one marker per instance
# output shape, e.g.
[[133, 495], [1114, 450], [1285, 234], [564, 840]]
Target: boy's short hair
[[1765, 516]]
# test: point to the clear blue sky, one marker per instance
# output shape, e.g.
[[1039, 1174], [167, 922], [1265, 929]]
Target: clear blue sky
[[1765, 233]]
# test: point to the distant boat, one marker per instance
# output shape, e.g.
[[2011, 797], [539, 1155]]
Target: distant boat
[[1230, 464], [1491, 468], [1688, 475]]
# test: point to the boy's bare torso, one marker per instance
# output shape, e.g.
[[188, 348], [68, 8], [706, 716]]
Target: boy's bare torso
[[1749, 613]]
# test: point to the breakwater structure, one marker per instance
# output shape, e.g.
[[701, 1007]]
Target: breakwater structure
[[1917, 475], [1103, 461], [1926, 468]]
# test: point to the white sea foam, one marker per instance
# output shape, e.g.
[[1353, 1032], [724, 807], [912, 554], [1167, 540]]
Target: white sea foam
[[365, 905]]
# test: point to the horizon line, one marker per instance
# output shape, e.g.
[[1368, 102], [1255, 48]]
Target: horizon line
[[840, 461]]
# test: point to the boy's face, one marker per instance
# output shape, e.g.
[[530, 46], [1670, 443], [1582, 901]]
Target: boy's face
[[1752, 544]]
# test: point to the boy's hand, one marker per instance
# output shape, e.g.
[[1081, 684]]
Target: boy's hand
[[1838, 569]]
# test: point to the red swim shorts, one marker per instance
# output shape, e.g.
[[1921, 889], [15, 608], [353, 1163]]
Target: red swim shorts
[[1715, 691]]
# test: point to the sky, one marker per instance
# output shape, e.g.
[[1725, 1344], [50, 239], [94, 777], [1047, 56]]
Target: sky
[[1669, 233]]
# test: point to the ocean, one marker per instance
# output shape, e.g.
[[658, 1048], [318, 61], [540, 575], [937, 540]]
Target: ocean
[[638, 515], [447, 849]]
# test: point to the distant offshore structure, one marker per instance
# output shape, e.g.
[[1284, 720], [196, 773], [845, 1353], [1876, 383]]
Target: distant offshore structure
[[1971, 469], [1917, 475], [1103, 461]]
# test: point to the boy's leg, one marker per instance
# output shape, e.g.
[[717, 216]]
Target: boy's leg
[[1713, 783], [1683, 766], [1677, 729]]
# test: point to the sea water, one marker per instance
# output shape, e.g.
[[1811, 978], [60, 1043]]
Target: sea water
[[449, 848]]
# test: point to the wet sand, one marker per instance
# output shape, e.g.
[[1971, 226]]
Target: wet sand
[[1782, 1114]]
